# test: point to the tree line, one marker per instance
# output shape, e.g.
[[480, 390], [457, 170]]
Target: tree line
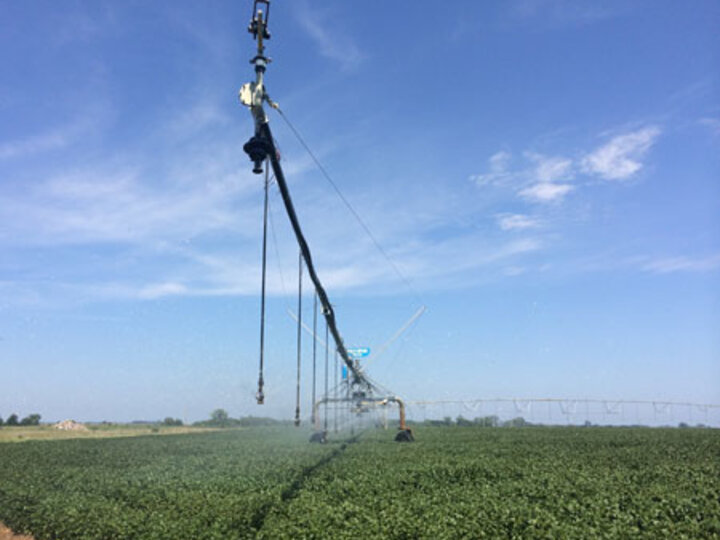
[[481, 421], [14, 420], [221, 418]]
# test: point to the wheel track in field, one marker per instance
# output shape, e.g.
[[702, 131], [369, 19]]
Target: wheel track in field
[[296, 486]]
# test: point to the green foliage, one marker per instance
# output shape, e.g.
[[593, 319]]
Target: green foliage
[[245, 421], [513, 483], [1, 421], [482, 421], [211, 485], [452, 483], [31, 420], [172, 422], [516, 422], [219, 417], [12, 420]]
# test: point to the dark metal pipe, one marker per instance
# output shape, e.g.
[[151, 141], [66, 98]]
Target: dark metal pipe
[[266, 136]]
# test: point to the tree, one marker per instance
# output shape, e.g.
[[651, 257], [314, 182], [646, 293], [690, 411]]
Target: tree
[[12, 420], [487, 421], [31, 420], [169, 421], [516, 422], [1, 421], [219, 417]]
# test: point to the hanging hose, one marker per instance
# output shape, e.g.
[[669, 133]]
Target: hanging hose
[[327, 371], [299, 340], [314, 370], [260, 396], [335, 391]]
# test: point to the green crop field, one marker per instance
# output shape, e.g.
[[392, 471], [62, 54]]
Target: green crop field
[[454, 482]]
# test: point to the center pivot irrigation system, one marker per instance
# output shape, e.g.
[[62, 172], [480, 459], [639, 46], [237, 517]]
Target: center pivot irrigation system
[[361, 394]]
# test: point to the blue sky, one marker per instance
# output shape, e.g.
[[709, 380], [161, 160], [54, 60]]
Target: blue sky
[[545, 173]]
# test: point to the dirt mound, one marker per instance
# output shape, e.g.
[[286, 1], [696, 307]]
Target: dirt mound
[[7, 534], [70, 425]]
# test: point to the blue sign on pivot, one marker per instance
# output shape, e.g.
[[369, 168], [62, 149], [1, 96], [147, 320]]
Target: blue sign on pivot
[[359, 352], [344, 372]]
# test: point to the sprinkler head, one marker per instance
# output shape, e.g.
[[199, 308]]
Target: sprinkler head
[[258, 149]]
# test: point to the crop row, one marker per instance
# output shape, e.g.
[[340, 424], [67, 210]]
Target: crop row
[[212, 485], [454, 482], [514, 483]]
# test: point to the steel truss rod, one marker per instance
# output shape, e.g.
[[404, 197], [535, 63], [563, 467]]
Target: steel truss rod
[[367, 402], [561, 400]]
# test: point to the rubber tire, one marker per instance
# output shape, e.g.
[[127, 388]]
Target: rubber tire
[[318, 437], [405, 435]]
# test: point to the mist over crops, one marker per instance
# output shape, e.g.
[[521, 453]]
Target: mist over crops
[[453, 482]]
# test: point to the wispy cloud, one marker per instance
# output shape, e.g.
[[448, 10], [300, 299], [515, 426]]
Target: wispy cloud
[[332, 44], [499, 170], [620, 158], [546, 171], [60, 137], [682, 264], [550, 168], [34, 144], [545, 178], [98, 205], [545, 192], [191, 228], [466, 259], [511, 222], [159, 290]]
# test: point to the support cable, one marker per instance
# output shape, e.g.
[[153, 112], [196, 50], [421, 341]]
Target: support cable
[[276, 248], [260, 396], [299, 340], [348, 205]]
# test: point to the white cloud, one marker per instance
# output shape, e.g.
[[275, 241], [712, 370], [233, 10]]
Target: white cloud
[[188, 122], [498, 174], [550, 169], [97, 205], [509, 222], [619, 159], [544, 192], [682, 264], [159, 290], [58, 137], [499, 161], [35, 144], [336, 46]]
